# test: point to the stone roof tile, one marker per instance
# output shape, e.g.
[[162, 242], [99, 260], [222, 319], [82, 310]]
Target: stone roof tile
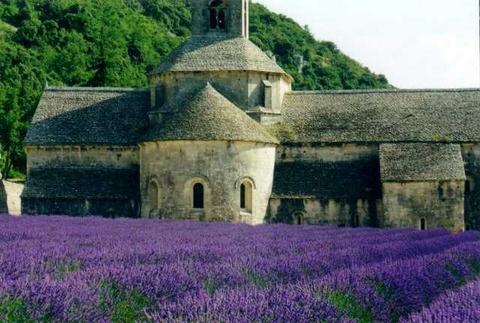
[[207, 115], [80, 116], [421, 162], [381, 116], [215, 53]]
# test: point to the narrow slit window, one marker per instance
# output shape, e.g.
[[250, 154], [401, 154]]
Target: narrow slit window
[[423, 224], [221, 19], [242, 196], [246, 197], [356, 220], [217, 15], [198, 196], [153, 196], [299, 218], [213, 18]]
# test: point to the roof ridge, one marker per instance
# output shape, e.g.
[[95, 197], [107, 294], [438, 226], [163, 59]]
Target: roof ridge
[[384, 91], [93, 89], [214, 54]]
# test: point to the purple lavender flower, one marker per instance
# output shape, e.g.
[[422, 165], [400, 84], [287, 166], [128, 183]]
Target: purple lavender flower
[[456, 306], [93, 269]]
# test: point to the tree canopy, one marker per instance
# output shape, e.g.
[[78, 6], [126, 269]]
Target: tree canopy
[[116, 42]]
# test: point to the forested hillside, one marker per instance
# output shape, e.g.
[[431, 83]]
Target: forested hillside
[[115, 42]]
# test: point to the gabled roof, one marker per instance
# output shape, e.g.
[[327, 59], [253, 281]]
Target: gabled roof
[[216, 53], [82, 183], [208, 115], [381, 116], [80, 116], [421, 162]]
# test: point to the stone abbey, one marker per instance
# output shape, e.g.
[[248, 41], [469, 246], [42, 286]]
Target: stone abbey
[[219, 135]]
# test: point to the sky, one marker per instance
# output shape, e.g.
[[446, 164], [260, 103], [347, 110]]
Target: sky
[[414, 43]]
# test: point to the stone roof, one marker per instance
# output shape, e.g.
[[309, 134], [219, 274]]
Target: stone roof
[[75, 183], [216, 53], [79, 116], [381, 116], [359, 179], [421, 162], [207, 115]]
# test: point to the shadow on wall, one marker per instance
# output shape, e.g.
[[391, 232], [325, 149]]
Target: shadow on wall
[[3, 199]]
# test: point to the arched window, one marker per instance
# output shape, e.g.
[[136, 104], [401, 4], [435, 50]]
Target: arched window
[[153, 195], [423, 224], [198, 196], [299, 218], [469, 185], [443, 191], [246, 197], [217, 15], [356, 220], [221, 19]]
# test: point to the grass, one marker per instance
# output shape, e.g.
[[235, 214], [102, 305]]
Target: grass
[[14, 310], [349, 305], [257, 280], [124, 305]]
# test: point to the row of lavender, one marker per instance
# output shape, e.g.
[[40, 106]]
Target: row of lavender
[[65, 269], [459, 306]]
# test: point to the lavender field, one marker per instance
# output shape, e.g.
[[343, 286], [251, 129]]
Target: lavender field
[[55, 269]]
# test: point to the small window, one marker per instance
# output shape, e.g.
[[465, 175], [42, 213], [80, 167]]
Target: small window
[[246, 197], [159, 96], [443, 191], [423, 224], [198, 196], [213, 18], [221, 19], [299, 218], [217, 15], [356, 221], [468, 186], [153, 195], [242, 196]]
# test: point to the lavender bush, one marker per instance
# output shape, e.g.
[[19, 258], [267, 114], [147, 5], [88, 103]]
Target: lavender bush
[[59, 269], [458, 306]]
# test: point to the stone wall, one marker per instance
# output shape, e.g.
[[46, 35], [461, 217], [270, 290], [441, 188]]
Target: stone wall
[[10, 202], [244, 89], [112, 208], [82, 180], [82, 156], [80, 207], [331, 184], [341, 212], [176, 166], [441, 204]]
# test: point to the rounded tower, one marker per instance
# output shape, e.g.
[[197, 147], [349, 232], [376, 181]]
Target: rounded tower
[[207, 160], [220, 52], [204, 156]]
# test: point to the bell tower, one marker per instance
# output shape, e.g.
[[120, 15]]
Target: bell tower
[[220, 17]]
